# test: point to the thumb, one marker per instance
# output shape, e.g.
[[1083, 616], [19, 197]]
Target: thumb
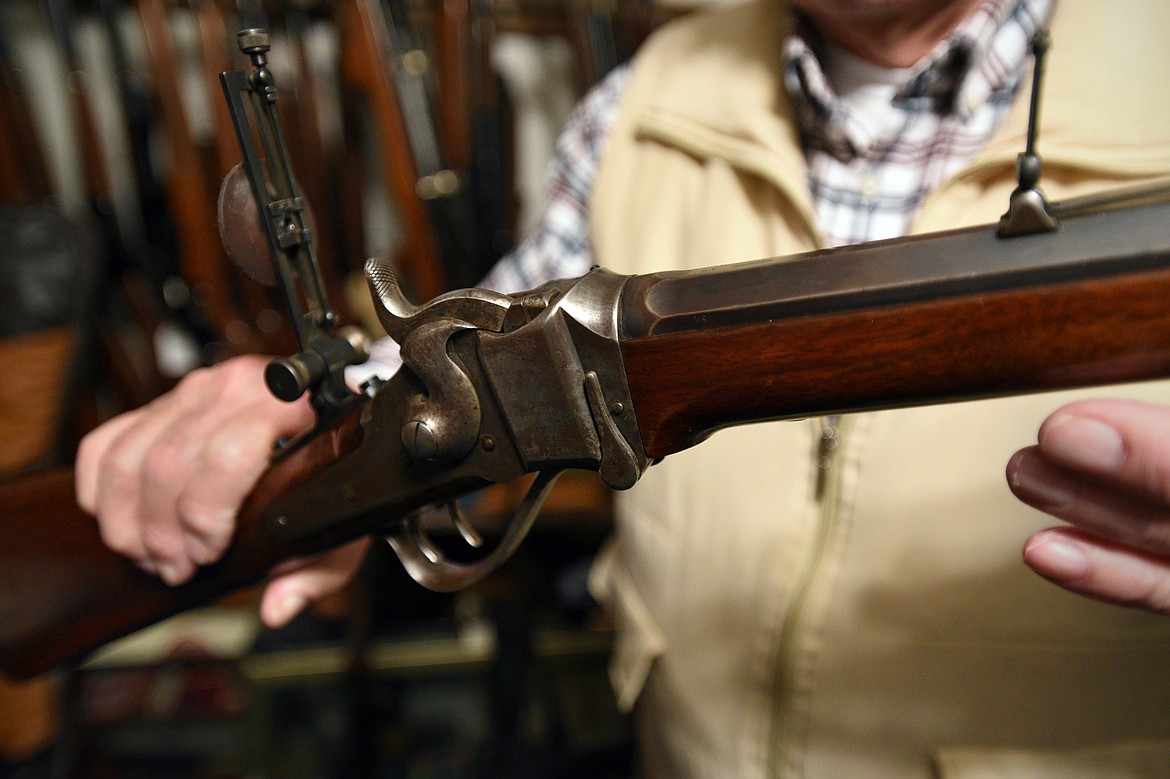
[[297, 583]]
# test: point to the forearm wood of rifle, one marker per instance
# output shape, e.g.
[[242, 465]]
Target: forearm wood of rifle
[[65, 592], [940, 319]]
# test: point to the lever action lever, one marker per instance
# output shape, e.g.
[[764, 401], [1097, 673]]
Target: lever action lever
[[275, 201]]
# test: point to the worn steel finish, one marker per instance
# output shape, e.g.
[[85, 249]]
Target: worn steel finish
[[1101, 240], [492, 387], [580, 414]]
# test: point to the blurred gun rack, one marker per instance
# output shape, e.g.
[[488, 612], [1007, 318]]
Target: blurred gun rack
[[410, 133], [402, 123]]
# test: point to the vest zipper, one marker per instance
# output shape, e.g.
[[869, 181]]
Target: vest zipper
[[826, 493]]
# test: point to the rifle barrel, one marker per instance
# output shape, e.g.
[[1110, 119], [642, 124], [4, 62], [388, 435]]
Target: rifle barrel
[[955, 316]]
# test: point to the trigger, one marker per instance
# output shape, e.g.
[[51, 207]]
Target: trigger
[[465, 528], [427, 565]]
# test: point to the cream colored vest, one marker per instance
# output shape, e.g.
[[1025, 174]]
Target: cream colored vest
[[857, 607]]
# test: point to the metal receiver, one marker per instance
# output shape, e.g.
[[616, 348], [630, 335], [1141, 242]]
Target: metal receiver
[[545, 372], [275, 209], [492, 387]]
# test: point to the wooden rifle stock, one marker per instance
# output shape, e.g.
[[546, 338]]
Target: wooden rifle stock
[[86, 595], [452, 35], [189, 191], [24, 177], [364, 68]]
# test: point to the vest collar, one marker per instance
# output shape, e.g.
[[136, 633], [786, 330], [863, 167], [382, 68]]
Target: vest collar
[[724, 97]]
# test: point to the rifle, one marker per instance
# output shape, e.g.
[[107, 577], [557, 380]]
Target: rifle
[[605, 34], [365, 82], [23, 175], [610, 372]]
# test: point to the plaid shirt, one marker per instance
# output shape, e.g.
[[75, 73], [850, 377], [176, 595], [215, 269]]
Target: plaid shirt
[[866, 184], [559, 247]]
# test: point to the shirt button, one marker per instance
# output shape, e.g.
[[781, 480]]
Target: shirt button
[[869, 187]]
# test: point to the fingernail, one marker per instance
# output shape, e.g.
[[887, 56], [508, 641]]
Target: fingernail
[[169, 574], [1084, 442], [1056, 558], [200, 552], [1040, 485], [285, 609]]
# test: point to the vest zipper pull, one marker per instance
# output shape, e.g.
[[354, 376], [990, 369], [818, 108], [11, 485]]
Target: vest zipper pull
[[827, 447]]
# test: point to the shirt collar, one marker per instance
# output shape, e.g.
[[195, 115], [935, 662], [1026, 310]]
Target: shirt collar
[[985, 55]]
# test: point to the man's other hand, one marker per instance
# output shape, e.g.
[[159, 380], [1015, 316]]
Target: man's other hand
[[1103, 466]]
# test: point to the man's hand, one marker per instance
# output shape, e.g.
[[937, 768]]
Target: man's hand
[[1104, 467], [166, 481]]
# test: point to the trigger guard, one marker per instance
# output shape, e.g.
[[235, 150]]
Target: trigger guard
[[427, 565]]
